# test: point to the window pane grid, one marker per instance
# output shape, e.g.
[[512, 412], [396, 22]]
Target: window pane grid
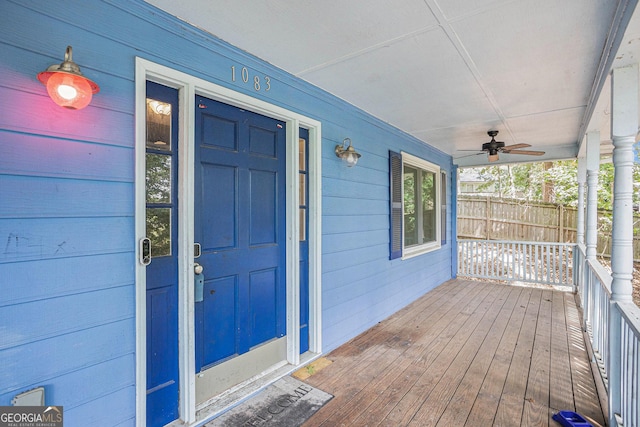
[[159, 177], [421, 216]]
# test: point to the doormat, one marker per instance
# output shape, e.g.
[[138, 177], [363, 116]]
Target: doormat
[[285, 403]]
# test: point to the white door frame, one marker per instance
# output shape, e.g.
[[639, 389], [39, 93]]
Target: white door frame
[[188, 87]]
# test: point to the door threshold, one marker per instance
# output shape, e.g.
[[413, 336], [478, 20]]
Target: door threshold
[[227, 400]]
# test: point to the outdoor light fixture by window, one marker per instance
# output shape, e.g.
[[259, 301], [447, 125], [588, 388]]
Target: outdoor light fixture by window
[[66, 85], [349, 154]]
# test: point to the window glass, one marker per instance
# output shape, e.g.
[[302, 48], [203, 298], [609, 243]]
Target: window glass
[[443, 208], [303, 224], [158, 178], [428, 207], [303, 184], [410, 214], [303, 188], [158, 125], [159, 231], [302, 161]]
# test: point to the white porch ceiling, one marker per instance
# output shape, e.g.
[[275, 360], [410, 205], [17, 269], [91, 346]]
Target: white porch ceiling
[[445, 71]]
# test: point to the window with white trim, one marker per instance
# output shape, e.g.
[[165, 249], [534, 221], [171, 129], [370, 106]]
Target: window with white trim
[[416, 199]]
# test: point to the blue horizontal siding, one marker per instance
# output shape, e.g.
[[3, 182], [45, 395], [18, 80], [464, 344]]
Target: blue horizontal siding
[[66, 222], [38, 197], [37, 114], [336, 188], [110, 410], [39, 362], [49, 278], [40, 238], [43, 155], [113, 375], [348, 240], [333, 224], [352, 206], [72, 313], [332, 261]]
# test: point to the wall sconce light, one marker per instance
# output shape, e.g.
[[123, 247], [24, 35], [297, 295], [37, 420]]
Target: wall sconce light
[[66, 85], [349, 155]]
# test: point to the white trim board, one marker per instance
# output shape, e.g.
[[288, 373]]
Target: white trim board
[[190, 86]]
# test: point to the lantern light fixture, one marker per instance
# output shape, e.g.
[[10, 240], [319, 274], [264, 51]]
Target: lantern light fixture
[[66, 85], [349, 155]]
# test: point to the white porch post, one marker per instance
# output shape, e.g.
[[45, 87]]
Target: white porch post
[[624, 126], [582, 178], [593, 169]]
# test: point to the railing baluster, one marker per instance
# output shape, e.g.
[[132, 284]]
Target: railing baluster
[[635, 402], [498, 257], [503, 255], [564, 266], [554, 265], [525, 261], [483, 262], [548, 276], [494, 260], [513, 260], [534, 270]]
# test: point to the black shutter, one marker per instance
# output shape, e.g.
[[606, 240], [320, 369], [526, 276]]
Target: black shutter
[[395, 183]]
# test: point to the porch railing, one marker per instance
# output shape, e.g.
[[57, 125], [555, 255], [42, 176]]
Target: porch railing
[[594, 288], [614, 331], [629, 361], [534, 262]]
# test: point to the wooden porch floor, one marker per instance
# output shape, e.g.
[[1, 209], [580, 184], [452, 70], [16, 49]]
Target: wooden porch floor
[[468, 353]]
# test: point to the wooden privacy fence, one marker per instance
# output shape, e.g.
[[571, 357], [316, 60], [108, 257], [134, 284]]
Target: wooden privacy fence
[[534, 262], [488, 218]]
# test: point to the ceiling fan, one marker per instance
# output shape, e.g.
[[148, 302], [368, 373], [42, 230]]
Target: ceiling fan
[[493, 147]]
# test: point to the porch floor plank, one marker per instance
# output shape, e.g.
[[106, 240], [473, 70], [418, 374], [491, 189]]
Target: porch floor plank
[[585, 397], [381, 338], [485, 406], [409, 370], [468, 353]]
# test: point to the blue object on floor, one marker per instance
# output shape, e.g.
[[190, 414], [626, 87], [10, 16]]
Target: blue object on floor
[[571, 419]]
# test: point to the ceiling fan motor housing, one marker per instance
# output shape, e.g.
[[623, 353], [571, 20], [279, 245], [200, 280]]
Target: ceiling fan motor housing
[[492, 146]]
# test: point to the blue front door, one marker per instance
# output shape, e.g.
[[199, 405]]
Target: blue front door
[[161, 161], [239, 222]]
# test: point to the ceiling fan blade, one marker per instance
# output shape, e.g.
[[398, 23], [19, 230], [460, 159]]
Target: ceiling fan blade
[[468, 155], [514, 147], [526, 152]]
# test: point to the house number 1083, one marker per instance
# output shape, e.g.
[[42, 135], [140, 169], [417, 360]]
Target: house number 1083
[[258, 84]]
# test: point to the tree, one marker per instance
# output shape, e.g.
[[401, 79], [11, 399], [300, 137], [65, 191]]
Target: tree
[[527, 180]]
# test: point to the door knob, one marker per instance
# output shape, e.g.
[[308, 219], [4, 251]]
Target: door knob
[[198, 282], [197, 268]]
